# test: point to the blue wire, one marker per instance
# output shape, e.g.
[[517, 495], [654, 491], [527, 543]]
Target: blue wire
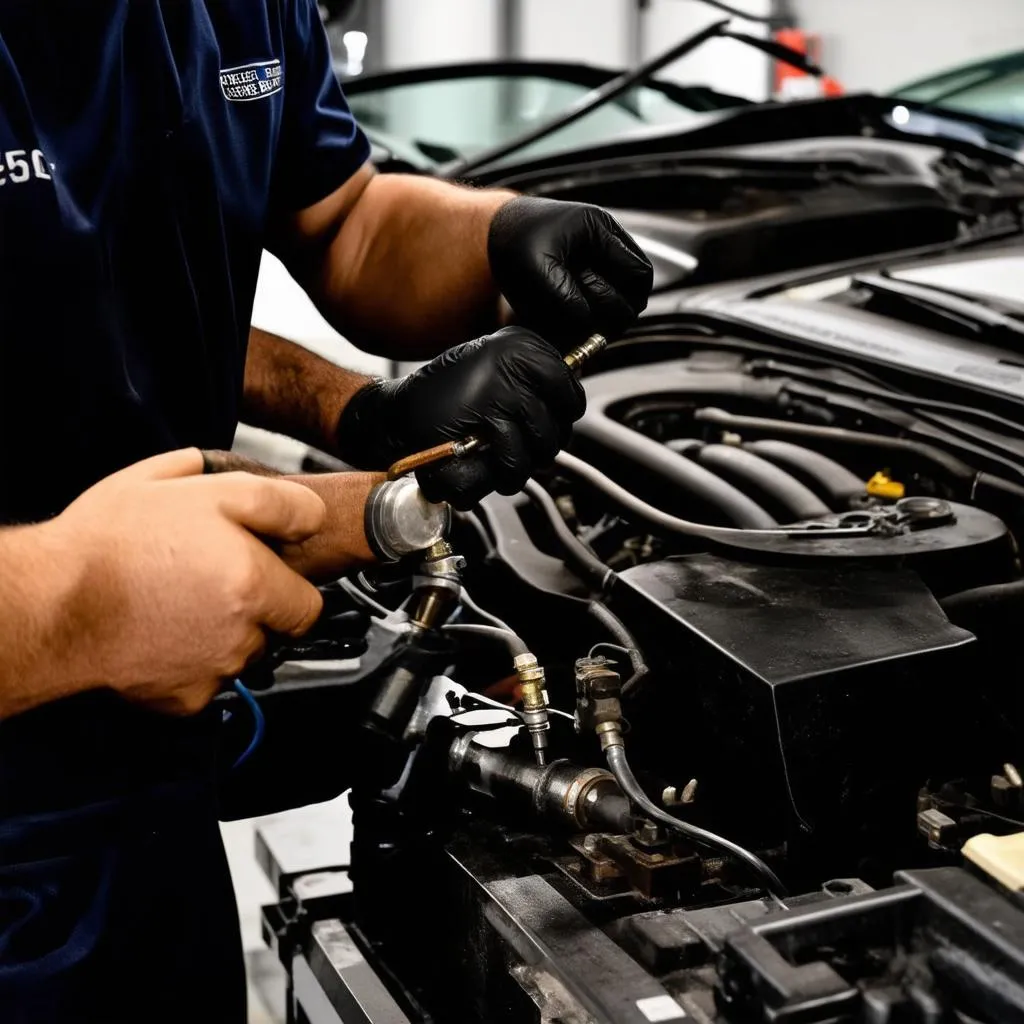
[[259, 722]]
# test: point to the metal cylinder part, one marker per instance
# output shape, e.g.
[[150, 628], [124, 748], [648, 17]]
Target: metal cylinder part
[[535, 703], [400, 521], [583, 799], [579, 355]]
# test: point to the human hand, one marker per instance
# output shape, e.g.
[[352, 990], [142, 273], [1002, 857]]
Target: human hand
[[511, 389], [568, 270], [175, 589]]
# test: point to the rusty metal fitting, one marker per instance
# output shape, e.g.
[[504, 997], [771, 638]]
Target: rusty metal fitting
[[610, 735]]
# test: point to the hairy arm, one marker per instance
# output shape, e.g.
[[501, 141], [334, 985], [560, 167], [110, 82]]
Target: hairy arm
[[340, 545], [398, 263], [293, 391], [41, 585]]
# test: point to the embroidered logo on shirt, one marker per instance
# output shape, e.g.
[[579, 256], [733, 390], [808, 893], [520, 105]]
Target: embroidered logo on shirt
[[252, 81]]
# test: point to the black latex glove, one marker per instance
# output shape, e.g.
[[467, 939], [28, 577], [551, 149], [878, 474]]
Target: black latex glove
[[568, 270], [510, 389]]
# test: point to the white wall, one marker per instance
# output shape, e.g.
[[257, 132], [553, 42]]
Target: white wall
[[590, 31], [437, 31], [878, 44], [722, 63]]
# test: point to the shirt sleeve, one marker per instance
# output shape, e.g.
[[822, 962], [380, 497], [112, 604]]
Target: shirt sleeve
[[320, 145]]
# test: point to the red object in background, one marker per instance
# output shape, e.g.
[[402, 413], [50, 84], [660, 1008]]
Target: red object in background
[[791, 83]]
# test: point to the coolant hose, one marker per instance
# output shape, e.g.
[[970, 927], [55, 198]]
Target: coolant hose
[[578, 557], [983, 600], [624, 776], [951, 466], [681, 473], [782, 489], [624, 639], [833, 481]]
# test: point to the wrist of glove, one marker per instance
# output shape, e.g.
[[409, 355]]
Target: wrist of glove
[[510, 389], [568, 270]]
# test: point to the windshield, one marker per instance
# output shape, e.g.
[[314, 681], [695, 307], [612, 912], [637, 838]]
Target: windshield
[[992, 89], [448, 118]]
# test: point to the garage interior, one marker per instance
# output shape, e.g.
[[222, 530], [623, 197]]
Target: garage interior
[[716, 714], [872, 46]]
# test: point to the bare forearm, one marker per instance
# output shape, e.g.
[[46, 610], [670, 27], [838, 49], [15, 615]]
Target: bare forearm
[[293, 391], [407, 276], [341, 545], [39, 586]]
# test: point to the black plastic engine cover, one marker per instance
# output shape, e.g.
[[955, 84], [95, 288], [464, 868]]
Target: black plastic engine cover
[[810, 702]]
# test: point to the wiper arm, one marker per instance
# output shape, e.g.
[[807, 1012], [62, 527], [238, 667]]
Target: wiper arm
[[975, 319], [623, 83]]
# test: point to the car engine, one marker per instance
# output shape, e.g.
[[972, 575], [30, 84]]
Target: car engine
[[651, 740]]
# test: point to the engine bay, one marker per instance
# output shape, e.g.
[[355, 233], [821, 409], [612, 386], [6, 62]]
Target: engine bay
[[665, 726]]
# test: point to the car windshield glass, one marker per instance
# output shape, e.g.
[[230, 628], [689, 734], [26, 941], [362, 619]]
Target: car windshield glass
[[993, 89], [459, 117]]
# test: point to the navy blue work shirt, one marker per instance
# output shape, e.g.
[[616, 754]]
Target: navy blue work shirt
[[145, 148]]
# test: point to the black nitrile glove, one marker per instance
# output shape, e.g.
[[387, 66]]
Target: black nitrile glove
[[568, 270], [510, 389]]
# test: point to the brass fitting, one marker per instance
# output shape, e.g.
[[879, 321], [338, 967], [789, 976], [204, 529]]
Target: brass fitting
[[598, 707], [438, 585], [535, 703]]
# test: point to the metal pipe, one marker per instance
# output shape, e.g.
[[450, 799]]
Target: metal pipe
[[583, 799]]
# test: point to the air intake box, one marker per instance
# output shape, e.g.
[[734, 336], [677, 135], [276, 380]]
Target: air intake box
[[810, 701]]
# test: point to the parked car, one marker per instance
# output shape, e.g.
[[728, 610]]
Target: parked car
[[714, 187], [784, 546], [423, 114], [992, 88]]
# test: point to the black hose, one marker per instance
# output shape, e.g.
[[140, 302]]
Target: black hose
[[781, 489], [659, 520], [830, 479], [624, 776], [684, 474], [625, 639], [577, 556], [953, 467], [472, 520], [981, 599]]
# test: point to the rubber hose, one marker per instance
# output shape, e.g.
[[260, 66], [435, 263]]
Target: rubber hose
[[578, 557], [746, 468], [515, 644], [830, 479], [949, 464], [682, 473], [980, 598], [619, 767], [625, 639]]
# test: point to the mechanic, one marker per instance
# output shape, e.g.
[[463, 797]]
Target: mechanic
[[150, 151]]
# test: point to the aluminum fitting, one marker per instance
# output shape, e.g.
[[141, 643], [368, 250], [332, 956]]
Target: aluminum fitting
[[399, 520]]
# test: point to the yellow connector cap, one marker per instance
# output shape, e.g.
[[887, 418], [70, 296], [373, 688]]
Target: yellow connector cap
[[882, 486], [1002, 857]]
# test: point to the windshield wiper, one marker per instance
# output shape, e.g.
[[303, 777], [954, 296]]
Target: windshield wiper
[[623, 83], [975, 320]]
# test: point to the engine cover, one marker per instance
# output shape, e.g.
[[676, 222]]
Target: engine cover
[[816, 688]]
